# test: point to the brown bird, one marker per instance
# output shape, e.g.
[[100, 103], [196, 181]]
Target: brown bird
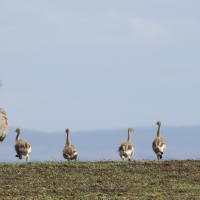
[[22, 147], [69, 151], [126, 149], [159, 144]]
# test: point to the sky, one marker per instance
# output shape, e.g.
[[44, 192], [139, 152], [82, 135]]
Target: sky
[[99, 65]]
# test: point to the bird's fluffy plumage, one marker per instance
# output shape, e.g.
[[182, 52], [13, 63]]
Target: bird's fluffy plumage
[[69, 151], [22, 147], [126, 149], [4, 125], [159, 143]]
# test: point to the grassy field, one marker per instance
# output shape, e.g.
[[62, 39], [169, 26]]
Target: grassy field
[[101, 180]]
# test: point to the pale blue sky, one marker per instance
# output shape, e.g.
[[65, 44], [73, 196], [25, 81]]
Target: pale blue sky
[[91, 65]]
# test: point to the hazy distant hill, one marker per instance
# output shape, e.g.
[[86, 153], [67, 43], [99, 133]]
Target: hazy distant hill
[[182, 143]]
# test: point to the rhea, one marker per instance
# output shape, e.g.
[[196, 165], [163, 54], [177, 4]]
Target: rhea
[[4, 125], [22, 147], [69, 151], [159, 144], [126, 149]]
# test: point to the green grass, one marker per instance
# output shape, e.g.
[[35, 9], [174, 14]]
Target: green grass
[[101, 180]]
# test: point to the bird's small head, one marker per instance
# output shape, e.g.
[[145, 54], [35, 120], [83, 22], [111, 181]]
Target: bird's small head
[[67, 130], [158, 123], [130, 129], [17, 130]]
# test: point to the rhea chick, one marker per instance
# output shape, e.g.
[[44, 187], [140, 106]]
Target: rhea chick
[[69, 151], [159, 144], [126, 149], [22, 147]]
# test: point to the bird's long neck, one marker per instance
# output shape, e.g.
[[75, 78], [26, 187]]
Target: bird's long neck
[[68, 139], [17, 137], [129, 135], [158, 132]]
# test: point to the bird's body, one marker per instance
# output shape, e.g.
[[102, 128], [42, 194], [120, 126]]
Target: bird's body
[[159, 144], [22, 147], [126, 149], [4, 125], [69, 151]]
